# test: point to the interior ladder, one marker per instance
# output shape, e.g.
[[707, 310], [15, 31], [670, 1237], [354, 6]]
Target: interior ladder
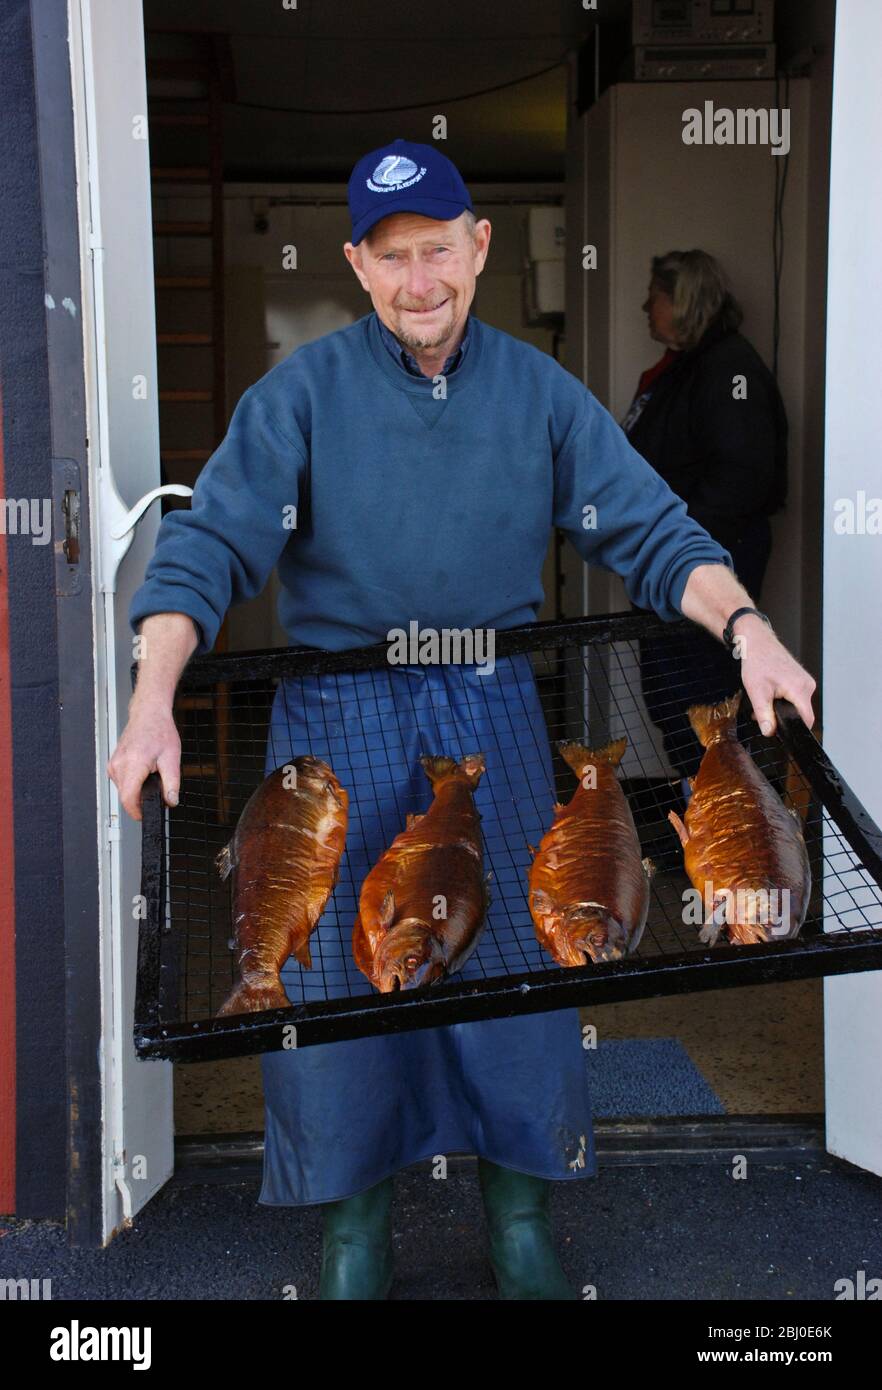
[[189, 76]]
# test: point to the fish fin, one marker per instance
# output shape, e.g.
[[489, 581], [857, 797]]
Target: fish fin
[[679, 827], [710, 723], [387, 909], [533, 850], [224, 861], [691, 781], [648, 867], [578, 756], [558, 807], [255, 996], [717, 920], [302, 955], [361, 952], [474, 767], [335, 796], [710, 932], [440, 766], [413, 818]]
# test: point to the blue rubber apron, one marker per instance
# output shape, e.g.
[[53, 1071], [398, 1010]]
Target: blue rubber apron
[[342, 1116]]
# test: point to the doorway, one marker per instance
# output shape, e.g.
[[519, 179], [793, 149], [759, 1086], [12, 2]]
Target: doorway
[[749, 1052]]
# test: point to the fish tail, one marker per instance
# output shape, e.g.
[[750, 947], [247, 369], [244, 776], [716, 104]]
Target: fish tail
[[711, 723], [224, 861], [438, 767], [253, 996], [579, 757]]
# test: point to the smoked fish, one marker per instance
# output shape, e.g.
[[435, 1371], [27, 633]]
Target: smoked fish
[[284, 857], [743, 849], [589, 888], [422, 906]]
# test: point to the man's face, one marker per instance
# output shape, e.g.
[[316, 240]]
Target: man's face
[[420, 274]]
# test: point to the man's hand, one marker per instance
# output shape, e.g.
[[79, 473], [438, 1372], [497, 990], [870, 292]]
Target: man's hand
[[768, 670], [770, 673], [149, 743]]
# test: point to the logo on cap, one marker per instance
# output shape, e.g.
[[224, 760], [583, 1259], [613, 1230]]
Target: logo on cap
[[393, 173]]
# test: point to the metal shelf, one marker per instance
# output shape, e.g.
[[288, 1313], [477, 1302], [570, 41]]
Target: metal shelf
[[588, 676]]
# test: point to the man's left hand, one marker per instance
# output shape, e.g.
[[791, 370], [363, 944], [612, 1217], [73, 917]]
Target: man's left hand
[[770, 673]]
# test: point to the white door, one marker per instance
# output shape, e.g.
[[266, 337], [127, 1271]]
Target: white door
[[853, 559], [119, 342]]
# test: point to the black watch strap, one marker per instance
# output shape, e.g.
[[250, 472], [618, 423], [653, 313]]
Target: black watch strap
[[728, 634]]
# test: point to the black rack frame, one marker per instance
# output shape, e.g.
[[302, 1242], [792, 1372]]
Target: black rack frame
[[720, 967]]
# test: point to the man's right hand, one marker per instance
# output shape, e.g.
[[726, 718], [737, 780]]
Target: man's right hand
[[149, 743]]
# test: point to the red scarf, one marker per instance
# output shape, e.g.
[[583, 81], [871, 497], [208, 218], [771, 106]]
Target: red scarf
[[652, 373]]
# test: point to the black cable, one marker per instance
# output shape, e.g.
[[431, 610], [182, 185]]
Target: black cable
[[388, 110]]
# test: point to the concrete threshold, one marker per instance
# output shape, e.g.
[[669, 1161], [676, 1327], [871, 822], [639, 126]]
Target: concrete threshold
[[771, 1139]]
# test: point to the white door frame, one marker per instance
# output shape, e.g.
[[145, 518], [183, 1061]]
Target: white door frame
[[110, 103], [852, 666], [108, 76]]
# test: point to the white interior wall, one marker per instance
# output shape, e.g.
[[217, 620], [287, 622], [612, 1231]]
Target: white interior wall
[[811, 24], [645, 192], [852, 594]]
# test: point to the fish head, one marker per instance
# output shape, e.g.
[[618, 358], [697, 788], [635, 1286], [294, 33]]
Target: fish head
[[409, 955], [591, 933], [314, 775]]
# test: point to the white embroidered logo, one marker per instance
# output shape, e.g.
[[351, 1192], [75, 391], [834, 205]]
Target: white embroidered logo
[[395, 171]]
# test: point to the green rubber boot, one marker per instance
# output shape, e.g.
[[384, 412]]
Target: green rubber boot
[[521, 1246], [357, 1245]]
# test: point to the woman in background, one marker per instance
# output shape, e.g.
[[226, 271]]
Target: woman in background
[[710, 419]]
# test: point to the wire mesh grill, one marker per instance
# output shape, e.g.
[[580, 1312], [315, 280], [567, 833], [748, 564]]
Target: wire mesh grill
[[593, 680]]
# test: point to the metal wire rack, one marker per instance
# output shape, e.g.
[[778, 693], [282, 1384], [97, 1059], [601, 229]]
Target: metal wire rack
[[592, 679]]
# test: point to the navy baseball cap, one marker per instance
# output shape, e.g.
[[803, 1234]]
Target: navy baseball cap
[[404, 177]]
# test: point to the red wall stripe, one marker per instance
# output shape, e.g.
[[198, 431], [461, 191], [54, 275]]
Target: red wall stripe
[[7, 889]]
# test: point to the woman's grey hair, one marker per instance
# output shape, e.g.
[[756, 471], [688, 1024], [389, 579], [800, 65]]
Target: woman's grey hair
[[700, 291]]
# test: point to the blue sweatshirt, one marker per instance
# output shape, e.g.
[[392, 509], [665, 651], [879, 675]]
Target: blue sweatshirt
[[383, 502]]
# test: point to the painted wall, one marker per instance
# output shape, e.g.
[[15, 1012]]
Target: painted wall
[[852, 560], [34, 816]]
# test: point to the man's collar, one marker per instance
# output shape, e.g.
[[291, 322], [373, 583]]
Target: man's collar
[[406, 359]]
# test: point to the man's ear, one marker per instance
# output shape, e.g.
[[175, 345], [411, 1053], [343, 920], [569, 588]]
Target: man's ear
[[482, 243], [353, 256]]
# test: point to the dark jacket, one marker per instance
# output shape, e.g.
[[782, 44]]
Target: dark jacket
[[726, 457]]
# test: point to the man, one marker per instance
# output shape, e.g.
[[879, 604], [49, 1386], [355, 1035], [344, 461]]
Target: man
[[428, 456]]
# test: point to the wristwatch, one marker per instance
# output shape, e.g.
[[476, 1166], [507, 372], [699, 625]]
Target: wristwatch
[[729, 636]]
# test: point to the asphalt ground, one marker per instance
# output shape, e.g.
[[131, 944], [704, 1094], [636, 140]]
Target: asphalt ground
[[785, 1232]]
